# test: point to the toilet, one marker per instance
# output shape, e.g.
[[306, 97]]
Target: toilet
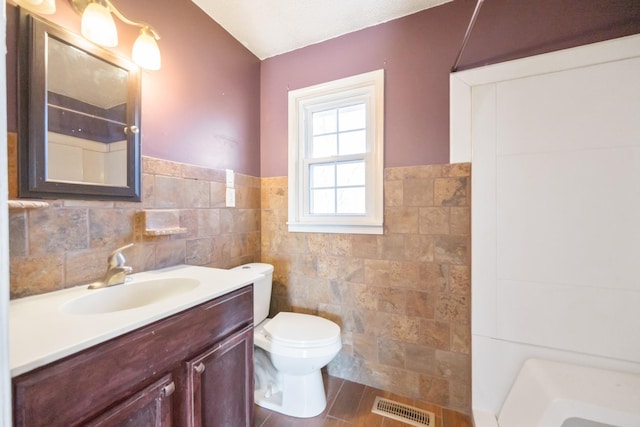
[[289, 351]]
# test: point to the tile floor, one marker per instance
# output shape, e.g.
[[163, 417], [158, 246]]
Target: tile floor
[[349, 404]]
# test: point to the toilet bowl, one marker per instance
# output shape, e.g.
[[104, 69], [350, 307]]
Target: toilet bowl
[[290, 350]]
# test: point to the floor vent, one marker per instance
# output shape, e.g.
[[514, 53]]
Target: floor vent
[[398, 411]]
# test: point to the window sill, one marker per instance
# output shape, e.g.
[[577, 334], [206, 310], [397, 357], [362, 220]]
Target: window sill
[[335, 228]]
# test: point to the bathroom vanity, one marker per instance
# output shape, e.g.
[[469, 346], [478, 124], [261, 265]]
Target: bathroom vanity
[[193, 367]]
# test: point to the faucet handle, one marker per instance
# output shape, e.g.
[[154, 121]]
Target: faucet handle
[[116, 259]]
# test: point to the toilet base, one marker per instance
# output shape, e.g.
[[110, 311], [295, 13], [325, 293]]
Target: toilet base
[[301, 396]]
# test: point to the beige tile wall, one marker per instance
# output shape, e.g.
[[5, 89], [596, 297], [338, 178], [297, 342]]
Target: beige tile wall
[[67, 244], [402, 298]]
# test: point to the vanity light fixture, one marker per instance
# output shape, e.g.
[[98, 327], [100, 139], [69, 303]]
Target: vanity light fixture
[[45, 7], [99, 27]]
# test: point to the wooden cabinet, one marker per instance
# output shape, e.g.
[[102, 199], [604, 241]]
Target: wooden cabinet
[[194, 368], [219, 400]]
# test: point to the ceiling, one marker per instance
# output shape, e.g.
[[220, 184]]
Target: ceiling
[[271, 27]]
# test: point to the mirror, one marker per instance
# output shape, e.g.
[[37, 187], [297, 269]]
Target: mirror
[[79, 114]]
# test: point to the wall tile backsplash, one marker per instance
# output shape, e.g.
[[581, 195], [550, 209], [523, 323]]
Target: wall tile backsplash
[[402, 299], [67, 244]]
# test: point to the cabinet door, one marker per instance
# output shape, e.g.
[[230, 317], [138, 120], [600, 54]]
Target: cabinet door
[[150, 407], [220, 384]]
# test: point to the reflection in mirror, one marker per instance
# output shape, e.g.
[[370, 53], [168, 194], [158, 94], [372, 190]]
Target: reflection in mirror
[[86, 141], [79, 117]]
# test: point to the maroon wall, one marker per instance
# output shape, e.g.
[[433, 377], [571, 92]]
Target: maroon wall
[[417, 53], [202, 106]]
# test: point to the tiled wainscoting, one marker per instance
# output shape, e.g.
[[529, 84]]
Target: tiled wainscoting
[[68, 243], [402, 299]]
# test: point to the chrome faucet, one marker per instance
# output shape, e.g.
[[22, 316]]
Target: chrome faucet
[[116, 271]]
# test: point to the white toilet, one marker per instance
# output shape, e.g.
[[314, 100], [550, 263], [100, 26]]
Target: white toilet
[[290, 350]]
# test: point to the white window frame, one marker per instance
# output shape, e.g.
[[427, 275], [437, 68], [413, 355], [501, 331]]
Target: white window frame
[[367, 88]]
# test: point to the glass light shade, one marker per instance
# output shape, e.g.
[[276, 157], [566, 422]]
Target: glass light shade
[[98, 25], [145, 51], [45, 7]]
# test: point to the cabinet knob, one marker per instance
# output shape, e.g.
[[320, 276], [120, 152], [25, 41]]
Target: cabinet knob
[[199, 368], [169, 389]]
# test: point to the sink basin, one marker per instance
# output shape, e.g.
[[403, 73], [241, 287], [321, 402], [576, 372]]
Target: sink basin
[[129, 295]]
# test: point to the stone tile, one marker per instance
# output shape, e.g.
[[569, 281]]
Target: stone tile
[[404, 328], [57, 230], [456, 170], [418, 192], [433, 277], [18, 233], [274, 197], [461, 221], [435, 390], [391, 353], [210, 222], [391, 247], [393, 193], [328, 267], [450, 192], [419, 248], [170, 253], [193, 172], [364, 246], [352, 270], [420, 358], [401, 220], [455, 367], [161, 167], [199, 251], [365, 347], [460, 279], [435, 220], [87, 266], [453, 308], [461, 338], [435, 334], [391, 300], [217, 195], [363, 297], [451, 249], [196, 194], [36, 275], [421, 304], [110, 228], [169, 192], [459, 396], [383, 273]]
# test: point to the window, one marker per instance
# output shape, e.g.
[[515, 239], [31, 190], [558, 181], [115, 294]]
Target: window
[[336, 156]]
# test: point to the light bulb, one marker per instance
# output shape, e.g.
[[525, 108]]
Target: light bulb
[[45, 7], [98, 25], [145, 50]]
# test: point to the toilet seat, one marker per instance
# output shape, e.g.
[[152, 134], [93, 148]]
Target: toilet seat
[[301, 330]]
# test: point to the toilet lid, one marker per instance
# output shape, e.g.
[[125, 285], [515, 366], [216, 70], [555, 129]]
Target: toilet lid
[[302, 330]]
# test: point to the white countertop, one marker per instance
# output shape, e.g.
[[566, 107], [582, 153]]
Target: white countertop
[[40, 333]]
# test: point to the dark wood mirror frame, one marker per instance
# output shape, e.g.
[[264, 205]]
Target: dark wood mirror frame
[[33, 116]]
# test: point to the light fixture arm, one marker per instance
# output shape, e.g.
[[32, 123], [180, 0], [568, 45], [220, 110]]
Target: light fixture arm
[[128, 21]]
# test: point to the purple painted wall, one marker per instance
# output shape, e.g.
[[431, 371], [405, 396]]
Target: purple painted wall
[[417, 53], [202, 106]]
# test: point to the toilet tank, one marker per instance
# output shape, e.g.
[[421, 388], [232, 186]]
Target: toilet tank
[[261, 289]]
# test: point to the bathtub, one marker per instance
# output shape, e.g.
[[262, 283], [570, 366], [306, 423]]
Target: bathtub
[[553, 394]]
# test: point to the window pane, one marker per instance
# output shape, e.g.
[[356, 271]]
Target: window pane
[[351, 201], [322, 202], [322, 175], [324, 146], [324, 122], [352, 117], [350, 174], [353, 143]]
